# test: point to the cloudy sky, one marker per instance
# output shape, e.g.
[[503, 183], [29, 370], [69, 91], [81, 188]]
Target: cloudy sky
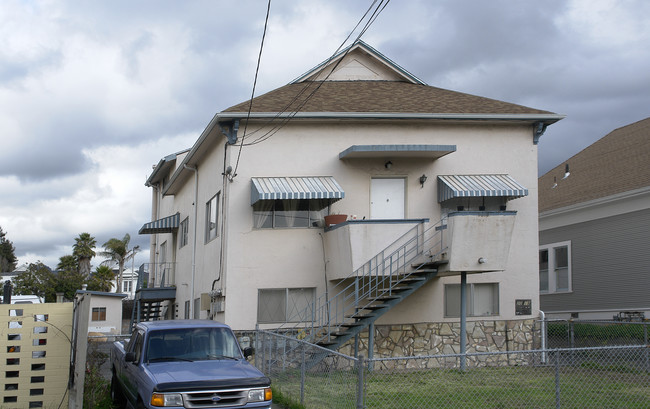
[[93, 93]]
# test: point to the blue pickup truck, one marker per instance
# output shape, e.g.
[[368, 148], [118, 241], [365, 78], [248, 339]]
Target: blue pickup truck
[[185, 364]]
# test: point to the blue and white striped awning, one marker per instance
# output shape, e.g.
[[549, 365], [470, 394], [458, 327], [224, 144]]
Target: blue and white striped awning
[[287, 188], [165, 225], [452, 186]]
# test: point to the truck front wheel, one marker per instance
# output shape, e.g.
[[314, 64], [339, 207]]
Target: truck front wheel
[[116, 393]]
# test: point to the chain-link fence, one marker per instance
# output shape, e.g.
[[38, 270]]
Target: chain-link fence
[[584, 333], [311, 375], [601, 377]]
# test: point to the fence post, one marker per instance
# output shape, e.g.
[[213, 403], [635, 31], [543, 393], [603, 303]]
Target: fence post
[[302, 374], [645, 341], [360, 368], [263, 348], [557, 379]]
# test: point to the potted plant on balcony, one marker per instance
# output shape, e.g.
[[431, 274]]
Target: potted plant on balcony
[[335, 219]]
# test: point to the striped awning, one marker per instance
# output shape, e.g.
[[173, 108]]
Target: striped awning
[[452, 186], [286, 188], [165, 225]]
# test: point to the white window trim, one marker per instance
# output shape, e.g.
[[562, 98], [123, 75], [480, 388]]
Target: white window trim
[[552, 276], [184, 230], [212, 233]]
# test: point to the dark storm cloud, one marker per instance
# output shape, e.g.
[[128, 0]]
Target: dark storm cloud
[[94, 92]]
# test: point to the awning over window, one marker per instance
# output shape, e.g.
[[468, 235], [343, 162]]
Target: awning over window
[[397, 151], [452, 186], [165, 225], [286, 188]]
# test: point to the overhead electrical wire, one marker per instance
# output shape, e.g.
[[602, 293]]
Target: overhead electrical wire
[[291, 114], [380, 7], [257, 69]]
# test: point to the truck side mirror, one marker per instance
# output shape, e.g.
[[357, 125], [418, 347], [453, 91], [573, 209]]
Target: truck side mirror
[[248, 351], [129, 357]]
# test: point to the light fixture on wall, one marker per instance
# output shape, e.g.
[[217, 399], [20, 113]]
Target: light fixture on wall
[[566, 171], [423, 179], [388, 165]]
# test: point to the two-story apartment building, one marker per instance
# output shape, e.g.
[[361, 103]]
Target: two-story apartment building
[[239, 228]]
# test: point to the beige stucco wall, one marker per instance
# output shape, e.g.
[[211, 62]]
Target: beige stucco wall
[[282, 258]]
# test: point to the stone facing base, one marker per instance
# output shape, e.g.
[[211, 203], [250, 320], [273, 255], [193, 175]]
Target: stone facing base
[[443, 338]]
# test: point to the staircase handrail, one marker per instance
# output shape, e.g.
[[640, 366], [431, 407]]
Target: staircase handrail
[[375, 278]]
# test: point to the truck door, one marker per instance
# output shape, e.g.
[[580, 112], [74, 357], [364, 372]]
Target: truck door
[[132, 369]]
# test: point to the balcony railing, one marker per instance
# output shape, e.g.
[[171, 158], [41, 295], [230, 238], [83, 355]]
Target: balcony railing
[[156, 275]]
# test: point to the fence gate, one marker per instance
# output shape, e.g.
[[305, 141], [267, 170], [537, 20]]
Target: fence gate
[[35, 341]]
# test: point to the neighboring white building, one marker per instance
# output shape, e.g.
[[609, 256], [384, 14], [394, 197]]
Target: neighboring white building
[[238, 219], [105, 312], [129, 282]]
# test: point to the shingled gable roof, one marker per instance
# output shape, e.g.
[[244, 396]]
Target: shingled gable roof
[[614, 164], [404, 96]]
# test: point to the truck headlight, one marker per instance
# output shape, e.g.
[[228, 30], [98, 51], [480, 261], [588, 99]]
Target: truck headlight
[[260, 395], [166, 399]]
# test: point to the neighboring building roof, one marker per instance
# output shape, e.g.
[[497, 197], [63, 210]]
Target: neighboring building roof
[[101, 293], [616, 163]]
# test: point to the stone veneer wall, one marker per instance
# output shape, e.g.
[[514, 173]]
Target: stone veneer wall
[[443, 338]]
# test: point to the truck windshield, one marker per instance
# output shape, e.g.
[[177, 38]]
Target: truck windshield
[[192, 344]]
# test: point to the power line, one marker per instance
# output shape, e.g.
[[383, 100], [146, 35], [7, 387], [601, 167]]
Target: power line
[[375, 14], [257, 69]]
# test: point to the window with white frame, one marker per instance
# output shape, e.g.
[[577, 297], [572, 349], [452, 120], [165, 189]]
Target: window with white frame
[[275, 305], [211, 213], [273, 214], [127, 286], [482, 300], [555, 268], [183, 231]]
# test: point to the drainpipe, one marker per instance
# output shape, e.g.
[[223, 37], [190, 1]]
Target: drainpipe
[[153, 246], [196, 198]]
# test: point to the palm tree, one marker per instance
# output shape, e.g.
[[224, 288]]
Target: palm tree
[[83, 250], [101, 279], [117, 251], [67, 277]]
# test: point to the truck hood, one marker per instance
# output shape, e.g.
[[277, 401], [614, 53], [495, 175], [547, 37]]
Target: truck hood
[[201, 375]]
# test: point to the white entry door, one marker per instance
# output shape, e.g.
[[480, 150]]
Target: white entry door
[[387, 198]]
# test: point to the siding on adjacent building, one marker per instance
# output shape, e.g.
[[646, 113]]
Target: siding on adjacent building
[[611, 253]]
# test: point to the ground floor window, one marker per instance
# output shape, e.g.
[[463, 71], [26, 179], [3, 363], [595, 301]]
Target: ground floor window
[[482, 300], [275, 305], [99, 314]]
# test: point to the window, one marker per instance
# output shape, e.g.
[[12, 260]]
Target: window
[[187, 310], [128, 286], [482, 300], [211, 213], [184, 232], [555, 268], [271, 214], [99, 314], [284, 304]]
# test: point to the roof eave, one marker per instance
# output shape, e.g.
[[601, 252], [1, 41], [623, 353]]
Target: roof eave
[[546, 118], [188, 160]]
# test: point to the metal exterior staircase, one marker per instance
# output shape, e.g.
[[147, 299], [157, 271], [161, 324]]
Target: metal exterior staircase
[[148, 301], [373, 289]]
